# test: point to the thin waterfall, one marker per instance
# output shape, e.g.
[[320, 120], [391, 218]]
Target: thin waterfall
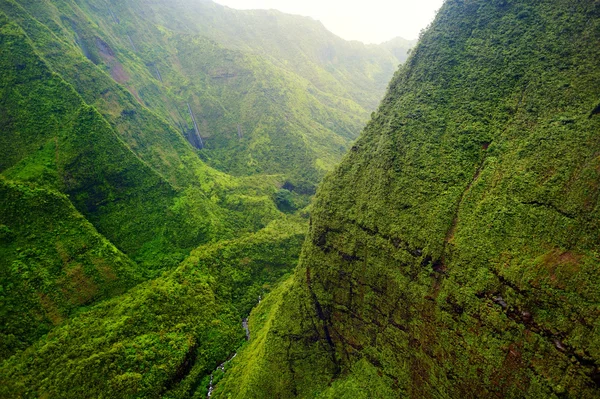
[[201, 144], [131, 42], [160, 78], [114, 16]]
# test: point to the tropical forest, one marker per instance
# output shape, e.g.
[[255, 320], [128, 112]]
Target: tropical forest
[[199, 201]]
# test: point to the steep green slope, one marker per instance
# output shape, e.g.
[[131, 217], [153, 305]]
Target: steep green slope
[[55, 261], [52, 261], [454, 252], [62, 142], [65, 51], [125, 143], [256, 108], [243, 372], [118, 181], [298, 44], [164, 337]]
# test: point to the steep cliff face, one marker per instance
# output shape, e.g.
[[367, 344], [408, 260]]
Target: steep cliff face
[[454, 252], [133, 136]]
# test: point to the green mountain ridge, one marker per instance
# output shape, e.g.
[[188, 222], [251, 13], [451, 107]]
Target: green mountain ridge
[[55, 141], [147, 179], [230, 84], [43, 284], [454, 251], [158, 161], [163, 337], [298, 44]]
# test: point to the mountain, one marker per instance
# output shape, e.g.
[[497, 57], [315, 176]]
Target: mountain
[[238, 84], [454, 251], [400, 47], [123, 167], [155, 182], [163, 337], [53, 262], [84, 217], [301, 45]]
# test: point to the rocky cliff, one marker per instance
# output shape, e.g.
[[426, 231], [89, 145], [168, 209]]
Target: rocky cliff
[[454, 252]]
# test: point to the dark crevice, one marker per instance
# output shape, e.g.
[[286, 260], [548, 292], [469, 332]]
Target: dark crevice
[[585, 361], [550, 206], [439, 265], [325, 322], [291, 369], [524, 317], [596, 111], [395, 241], [590, 367], [547, 300], [184, 368], [345, 256], [457, 309], [321, 240], [452, 230]]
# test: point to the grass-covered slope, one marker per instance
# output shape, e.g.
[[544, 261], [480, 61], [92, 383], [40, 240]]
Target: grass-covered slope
[[52, 261], [164, 337], [244, 372], [263, 97], [80, 170], [144, 188], [50, 136], [454, 252], [126, 142], [301, 45]]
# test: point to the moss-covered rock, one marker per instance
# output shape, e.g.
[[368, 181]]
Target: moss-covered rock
[[454, 252]]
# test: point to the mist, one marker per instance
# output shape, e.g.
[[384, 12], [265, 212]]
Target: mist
[[374, 21]]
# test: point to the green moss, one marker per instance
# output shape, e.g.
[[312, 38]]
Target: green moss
[[454, 251], [163, 337], [53, 262]]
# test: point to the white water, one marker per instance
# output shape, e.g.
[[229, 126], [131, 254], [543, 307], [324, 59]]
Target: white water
[[246, 328], [221, 367]]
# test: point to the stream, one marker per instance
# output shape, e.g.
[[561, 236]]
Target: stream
[[221, 367]]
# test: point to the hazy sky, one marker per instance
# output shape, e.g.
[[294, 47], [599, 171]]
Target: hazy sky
[[371, 21]]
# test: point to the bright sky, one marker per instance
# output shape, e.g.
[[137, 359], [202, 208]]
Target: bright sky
[[372, 21]]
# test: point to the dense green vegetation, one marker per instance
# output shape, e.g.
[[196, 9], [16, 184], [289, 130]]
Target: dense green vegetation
[[301, 45], [163, 337], [258, 109], [154, 210], [454, 252], [53, 261], [155, 181], [157, 163]]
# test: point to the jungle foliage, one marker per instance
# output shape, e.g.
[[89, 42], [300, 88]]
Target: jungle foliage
[[154, 183], [454, 251], [163, 337]]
